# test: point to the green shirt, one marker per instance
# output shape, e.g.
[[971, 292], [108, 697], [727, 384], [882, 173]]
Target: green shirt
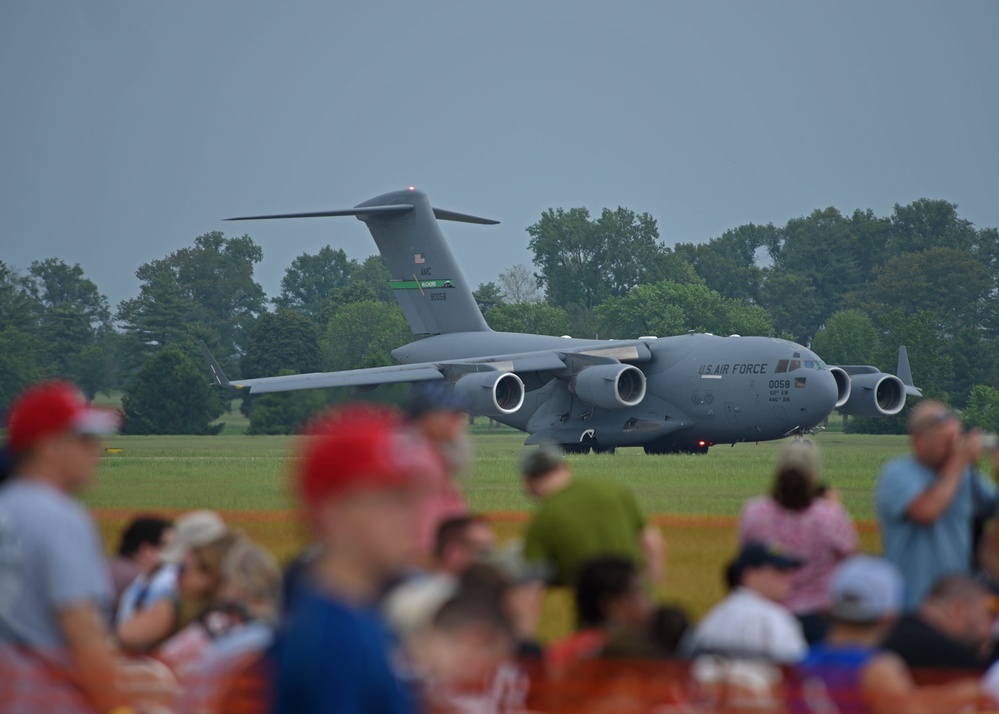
[[587, 519]]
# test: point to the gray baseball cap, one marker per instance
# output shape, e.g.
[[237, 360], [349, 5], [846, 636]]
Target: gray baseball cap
[[865, 589]]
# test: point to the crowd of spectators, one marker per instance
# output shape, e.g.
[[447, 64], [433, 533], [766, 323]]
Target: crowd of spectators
[[404, 601]]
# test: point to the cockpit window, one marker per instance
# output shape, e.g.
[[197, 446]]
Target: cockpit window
[[795, 364], [809, 364], [781, 367]]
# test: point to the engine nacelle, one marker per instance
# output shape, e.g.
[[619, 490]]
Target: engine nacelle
[[875, 395], [843, 386], [491, 393], [611, 386]]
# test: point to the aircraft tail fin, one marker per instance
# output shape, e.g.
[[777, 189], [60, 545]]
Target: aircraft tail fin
[[904, 372], [218, 376], [425, 278]]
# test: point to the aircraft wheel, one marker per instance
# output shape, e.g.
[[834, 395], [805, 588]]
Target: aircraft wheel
[[575, 448], [604, 450], [655, 450]]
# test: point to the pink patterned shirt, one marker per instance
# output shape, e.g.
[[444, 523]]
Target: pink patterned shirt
[[821, 535]]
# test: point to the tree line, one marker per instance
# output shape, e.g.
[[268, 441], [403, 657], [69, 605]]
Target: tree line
[[853, 287]]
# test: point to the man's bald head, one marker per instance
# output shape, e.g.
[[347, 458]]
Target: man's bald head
[[934, 429], [929, 414]]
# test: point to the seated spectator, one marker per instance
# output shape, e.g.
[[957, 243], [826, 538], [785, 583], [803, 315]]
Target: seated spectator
[[817, 529], [197, 588], [138, 551], [160, 582], [612, 609], [951, 630], [578, 520], [519, 589], [460, 542], [466, 657], [228, 640], [850, 672], [668, 628], [358, 481], [751, 623]]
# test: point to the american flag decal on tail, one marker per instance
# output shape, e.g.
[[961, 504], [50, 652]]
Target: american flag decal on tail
[[418, 258]]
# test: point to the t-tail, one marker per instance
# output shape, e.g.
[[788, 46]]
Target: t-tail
[[425, 279]]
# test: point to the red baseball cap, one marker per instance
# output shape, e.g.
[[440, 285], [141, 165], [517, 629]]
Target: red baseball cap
[[52, 408], [360, 448]]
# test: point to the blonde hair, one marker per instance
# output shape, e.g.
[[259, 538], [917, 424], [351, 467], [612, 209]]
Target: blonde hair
[[211, 556], [255, 573]]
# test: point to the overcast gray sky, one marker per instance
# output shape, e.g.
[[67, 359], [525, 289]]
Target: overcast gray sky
[[129, 128]]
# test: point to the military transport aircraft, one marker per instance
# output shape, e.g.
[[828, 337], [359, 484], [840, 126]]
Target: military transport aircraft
[[671, 394]]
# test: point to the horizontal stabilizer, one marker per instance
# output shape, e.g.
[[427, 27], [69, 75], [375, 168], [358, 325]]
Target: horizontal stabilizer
[[445, 215], [365, 211]]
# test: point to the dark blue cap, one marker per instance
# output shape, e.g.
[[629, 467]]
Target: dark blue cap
[[432, 397], [755, 555]]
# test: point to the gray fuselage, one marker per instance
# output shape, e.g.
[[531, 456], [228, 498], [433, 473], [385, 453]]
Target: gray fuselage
[[702, 389]]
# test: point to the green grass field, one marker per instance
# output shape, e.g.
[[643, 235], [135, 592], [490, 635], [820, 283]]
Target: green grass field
[[695, 498], [234, 472]]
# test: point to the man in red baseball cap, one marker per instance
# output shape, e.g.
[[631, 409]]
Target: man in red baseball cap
[[56, 586], [358, 480]]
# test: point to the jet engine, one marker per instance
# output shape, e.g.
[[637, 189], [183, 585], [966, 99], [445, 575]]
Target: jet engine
[[875, 395], [611, 386], [491, 393], [843, 385]]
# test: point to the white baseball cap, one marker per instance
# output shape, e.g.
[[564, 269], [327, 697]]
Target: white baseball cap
[[192, 530]]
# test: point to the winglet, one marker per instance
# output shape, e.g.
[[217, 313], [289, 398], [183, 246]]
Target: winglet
[[904, 372], [218, 376]]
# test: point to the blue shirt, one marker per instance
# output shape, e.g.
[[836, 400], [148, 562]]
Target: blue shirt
[[924, 553], [332, 658], [829, 680]]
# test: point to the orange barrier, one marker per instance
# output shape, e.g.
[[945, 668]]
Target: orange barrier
[[589, 687]]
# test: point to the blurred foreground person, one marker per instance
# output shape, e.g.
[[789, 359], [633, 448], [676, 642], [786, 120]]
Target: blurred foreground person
[[466, 655], [358, 480], [191, 530], [612, 610], [817, 529], [198, 584], [438, 415], [579, 520], [232, 637], [139, 550], [850, 673], [751, 623], [55, 586], [928, 502], [951, 630], [460, 542]]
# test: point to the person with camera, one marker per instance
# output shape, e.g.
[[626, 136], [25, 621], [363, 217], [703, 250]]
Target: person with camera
[[929, 501]]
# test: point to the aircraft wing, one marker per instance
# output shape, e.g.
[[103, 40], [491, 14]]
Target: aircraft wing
[[557, 362]]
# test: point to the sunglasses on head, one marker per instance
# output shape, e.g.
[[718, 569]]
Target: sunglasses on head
[[938, 419]]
